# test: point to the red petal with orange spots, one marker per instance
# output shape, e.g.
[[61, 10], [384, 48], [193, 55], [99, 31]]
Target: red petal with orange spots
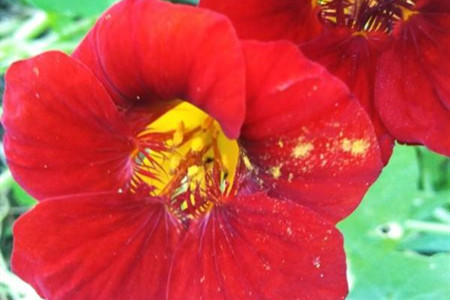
[[62, 136], [413, 78], [294, 20], [352, 57], [103, 247], [307, 138], [124, 247], [153, 51]]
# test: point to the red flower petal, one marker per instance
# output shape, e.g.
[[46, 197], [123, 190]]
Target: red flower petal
[[294, 20], [256, 247], [308, 139], [99, 247], [63, 131], [113, 246], [352, 58], [413, 75], [153, 50]]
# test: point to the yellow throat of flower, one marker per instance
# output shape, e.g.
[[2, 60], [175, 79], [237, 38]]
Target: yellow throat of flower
[[367, 15], [185, 158]]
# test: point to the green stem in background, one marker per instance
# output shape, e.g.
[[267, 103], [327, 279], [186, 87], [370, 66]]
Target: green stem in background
[[442, 215], [425, 179], [33, 27], [36, 35], [428, 227], [6, 181]]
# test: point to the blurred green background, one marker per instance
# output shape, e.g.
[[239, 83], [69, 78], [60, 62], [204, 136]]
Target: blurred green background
[[397, 241]]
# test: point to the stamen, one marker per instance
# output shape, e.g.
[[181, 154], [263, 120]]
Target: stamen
[[192, 171], [174, 163], [197, 144], [367, 15], [178, 135], [190, 164], [207, 123]]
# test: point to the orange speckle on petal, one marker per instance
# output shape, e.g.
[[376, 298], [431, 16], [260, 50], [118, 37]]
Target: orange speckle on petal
[[302, 150], [275, 172], [355, 147]]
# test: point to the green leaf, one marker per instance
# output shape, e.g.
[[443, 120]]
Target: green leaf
[[396, 276], [388, 202], [435, 170], [427, 243], [21, 197], [72, 7], [395, 222]]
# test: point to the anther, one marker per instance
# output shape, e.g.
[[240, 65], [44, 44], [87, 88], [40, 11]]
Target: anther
[[247, 163], [178, 135], [225, 163], [192, 171], [174, 163], [197, 144], [193, 186]]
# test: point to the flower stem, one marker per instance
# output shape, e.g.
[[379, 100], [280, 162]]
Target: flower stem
[[442, 215], [6, 181], [33, 27], [429, 227]]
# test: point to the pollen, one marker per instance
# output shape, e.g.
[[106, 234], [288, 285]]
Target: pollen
[[355, 147], [197, 144], [360, 147], [192, 171], [174, 163], [275, 172], [346, 145], [247, 163], [186, 161], [302, 150]]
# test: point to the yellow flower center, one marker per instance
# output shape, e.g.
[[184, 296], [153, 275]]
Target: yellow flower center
[[367, 15], [185, 158]]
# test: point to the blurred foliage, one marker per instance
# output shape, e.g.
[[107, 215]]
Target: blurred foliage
[[79, 7], [397, 241], [25, 31]]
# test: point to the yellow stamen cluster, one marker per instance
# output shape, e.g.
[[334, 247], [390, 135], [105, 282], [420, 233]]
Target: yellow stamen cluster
[[367, 15], [194, 163]]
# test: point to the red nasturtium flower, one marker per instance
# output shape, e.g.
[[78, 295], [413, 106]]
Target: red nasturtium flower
[[393, 54], [173, 161]]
